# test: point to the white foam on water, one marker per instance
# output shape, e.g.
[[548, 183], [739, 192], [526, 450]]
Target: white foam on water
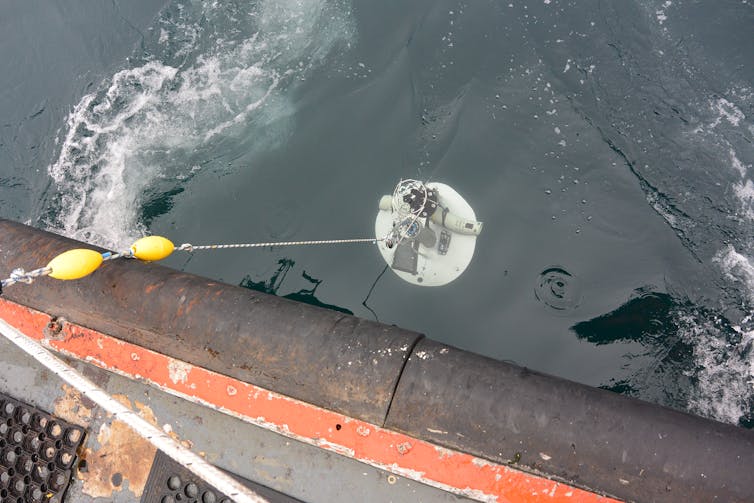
[[739, 166], [661, 13], [743, 189], [716, 129], [737, 268], [726, 110], [724, 371], [97, 190], [151, 122]]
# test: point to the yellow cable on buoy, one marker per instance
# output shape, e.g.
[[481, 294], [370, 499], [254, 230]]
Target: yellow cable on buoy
[[74, 264], [152, 248]]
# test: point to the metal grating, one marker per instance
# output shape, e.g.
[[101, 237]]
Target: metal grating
[[37, 453]]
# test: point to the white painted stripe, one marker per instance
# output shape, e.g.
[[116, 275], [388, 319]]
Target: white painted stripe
[[196, 464]]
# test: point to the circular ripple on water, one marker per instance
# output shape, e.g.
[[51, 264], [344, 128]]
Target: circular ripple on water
[[558, 289]]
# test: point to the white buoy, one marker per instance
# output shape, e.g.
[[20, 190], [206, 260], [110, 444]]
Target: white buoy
[[431, 232]]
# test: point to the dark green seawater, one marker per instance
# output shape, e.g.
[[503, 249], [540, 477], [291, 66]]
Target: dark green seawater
[[607, 146]]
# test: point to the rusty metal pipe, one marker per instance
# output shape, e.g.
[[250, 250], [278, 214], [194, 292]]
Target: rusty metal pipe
[[583, 436], [329, 359]]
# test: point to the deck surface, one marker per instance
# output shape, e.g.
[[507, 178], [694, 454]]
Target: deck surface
[[118, 463]]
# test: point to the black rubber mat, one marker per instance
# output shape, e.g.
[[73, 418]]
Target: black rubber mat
[[37, 451], [169, 482]]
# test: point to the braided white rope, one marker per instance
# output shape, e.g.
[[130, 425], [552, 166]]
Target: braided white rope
[[20, 276], [190, 248]]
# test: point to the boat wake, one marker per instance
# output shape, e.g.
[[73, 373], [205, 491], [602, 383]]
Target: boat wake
[[205, 78]]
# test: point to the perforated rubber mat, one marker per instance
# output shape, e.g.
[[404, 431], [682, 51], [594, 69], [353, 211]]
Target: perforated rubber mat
[[37, 451], [169, 482]]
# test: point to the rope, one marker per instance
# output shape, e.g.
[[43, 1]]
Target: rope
[[158, 438], [190, 248], [21, 276]]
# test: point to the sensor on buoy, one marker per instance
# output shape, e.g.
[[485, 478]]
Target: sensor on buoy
[[427, 232]]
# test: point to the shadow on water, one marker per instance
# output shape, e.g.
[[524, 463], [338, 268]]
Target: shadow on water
[[660, 324], [645, 318], [304, 295], [158, 203]]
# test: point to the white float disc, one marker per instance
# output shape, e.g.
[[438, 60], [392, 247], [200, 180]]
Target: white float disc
[[433, 268]]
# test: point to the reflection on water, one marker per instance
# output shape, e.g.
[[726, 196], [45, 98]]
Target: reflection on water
[[209, 78], [646, 319], [697, 356], [595, 135], [275, 282]]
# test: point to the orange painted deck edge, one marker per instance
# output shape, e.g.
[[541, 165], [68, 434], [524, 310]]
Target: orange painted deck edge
[[416, 459]]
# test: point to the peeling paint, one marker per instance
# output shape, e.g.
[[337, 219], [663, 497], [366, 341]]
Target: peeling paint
[[480, 461], [72, 407], [362, 430], [178, 371], [544, 456], [121, 451], [339, 449], [446, 453], [144, 410], [404, 447], [453, 471]]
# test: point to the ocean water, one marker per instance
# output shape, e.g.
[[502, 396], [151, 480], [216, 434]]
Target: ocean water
[[607, 146]]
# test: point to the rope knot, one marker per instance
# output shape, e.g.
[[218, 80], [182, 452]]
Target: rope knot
[[19, 276], [186, 247]]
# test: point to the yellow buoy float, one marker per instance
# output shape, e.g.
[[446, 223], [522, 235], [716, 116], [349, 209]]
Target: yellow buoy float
[[74, 264], [80, 262], [152, 248]]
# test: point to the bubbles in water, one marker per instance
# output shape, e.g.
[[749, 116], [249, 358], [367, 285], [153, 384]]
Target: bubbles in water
[[558, 289], [723, 355], [207, 73]]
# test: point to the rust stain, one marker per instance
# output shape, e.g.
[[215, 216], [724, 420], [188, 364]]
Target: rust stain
[[455, 471], [193, 302], [74, 407], [404, 447], [144, 410], [122, 455]]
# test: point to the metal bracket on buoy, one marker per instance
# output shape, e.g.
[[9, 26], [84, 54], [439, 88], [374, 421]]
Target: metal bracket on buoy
[[429, 232]]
